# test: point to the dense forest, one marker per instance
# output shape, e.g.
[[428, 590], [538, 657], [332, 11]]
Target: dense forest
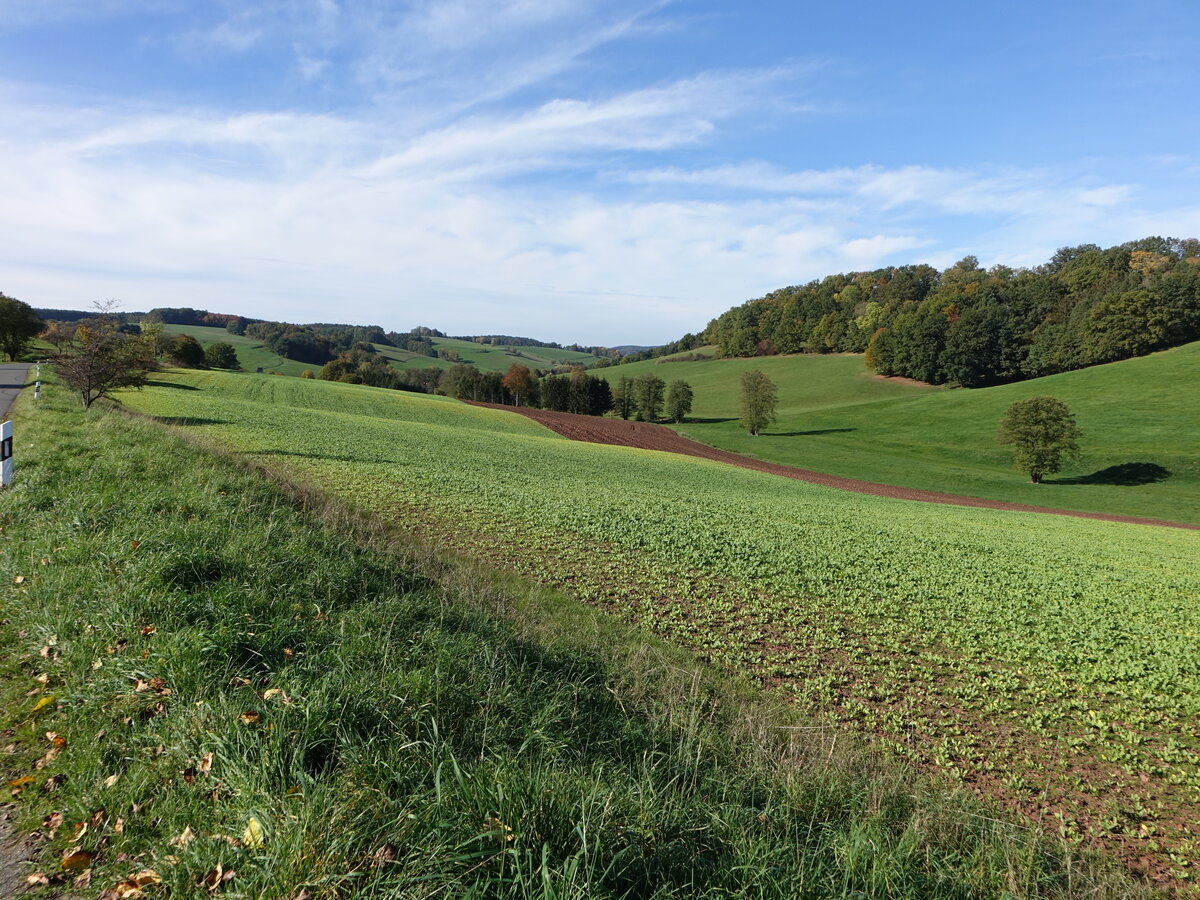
[[975, 327]]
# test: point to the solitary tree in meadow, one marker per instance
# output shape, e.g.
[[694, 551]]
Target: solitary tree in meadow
[[759, 398], [1043, 433]]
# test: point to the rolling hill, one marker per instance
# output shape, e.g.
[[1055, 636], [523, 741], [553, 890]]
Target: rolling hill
[[1008, 648], [1141, 423]]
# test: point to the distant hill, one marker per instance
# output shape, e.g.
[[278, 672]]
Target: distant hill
[[976, 327]]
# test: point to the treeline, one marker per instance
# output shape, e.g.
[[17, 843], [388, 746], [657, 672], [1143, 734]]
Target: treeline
[[645, 398], [687, 342], [976, 327]]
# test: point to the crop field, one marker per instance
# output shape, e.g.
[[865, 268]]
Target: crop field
[[1049, 662], [1140, 419]]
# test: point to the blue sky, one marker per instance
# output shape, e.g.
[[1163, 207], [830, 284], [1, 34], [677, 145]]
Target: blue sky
[[602, 172]]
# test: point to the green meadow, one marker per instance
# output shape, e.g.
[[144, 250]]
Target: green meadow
[[1140, 417], [1012, 651], [485, 357]]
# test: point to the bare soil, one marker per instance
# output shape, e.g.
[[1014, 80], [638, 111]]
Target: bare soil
[[647, 436]]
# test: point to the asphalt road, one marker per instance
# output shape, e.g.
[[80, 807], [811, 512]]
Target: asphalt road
[[13, 377]]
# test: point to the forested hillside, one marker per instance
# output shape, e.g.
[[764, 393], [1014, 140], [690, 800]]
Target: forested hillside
[[976, 327]]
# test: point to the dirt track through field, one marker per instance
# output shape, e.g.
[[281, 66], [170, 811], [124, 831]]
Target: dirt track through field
[[646, 436]]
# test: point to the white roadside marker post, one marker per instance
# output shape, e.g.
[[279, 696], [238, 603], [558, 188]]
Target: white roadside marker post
[[6, 452]]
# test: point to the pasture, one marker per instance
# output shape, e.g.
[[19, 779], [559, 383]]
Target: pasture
[[1140, 417]]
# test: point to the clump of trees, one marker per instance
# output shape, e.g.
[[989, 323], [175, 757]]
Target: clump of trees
[[221, 355], [19, 325], [759, 399], [1043, 434], [973, 326]]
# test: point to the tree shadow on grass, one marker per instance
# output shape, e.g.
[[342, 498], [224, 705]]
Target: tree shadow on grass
[[696, 420], [1127, 474], [170, 384], [806, 433], [187, 420]]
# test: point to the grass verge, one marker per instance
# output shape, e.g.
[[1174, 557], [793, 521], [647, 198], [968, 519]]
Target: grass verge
[[209, 673]]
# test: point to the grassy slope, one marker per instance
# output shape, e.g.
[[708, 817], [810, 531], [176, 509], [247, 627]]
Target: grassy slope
[[889, 613], [253, 354], [372, 732], [835, 417]]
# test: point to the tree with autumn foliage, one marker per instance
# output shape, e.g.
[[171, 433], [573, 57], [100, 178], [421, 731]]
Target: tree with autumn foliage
[[519, 382]]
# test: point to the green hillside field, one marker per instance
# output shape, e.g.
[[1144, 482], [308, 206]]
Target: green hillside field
[[1016, 651], [217, 685], [252, 354], [1140, 417]]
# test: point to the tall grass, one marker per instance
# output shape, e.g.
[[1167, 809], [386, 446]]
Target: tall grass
[[383, 722]]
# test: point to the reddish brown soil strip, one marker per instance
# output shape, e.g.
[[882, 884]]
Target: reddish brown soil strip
[[646, 436]]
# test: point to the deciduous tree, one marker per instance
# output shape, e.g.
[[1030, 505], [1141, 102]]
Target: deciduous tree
[[103, 358], [679, 400], [759, 399], [1043, 433], [648, 396], [221, 355], [19, 325], [519, 382]]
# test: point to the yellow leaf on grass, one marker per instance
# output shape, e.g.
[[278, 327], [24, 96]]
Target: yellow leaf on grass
[[80, 859], [43, 703], [250, 718], [253, 837]]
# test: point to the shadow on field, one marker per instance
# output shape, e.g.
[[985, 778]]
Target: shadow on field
[[340, 457], [806, 433], [1127, 474], [168, 384], [187, 420], [696, 420]]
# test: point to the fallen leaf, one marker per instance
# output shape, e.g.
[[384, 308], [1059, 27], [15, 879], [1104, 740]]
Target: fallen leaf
[[253, 837], [133, 545], [119, 825], [111, 780], [20, 579], [51, 755], [185, 837], [303, 894], [250, 718], [214, 879], [19, 783], [54, 781], [205, 764], [43, 703], [83, 880], [43, 679], [80, 830], [79, 859], [97, 818], [288, 652], [52, 823], [123, 890], [37, 879], [145, 877], [272, 693]]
